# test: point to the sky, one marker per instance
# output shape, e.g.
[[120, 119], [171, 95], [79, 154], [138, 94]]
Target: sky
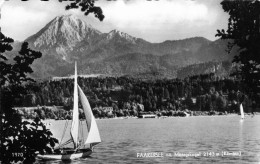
[[155, 20]]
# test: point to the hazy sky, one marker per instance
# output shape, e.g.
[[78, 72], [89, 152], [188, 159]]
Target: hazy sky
[[154, 21]]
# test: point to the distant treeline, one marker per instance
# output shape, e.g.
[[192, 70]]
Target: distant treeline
[[132, 96], [223, 68]]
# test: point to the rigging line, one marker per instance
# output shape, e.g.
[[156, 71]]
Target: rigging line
[[82, 134], [65, 143], [78, 137], [65, 128]]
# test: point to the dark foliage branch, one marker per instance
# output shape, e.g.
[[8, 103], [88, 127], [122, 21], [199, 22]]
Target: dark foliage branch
[[16, 73], [15, 136], [22, 64], [244, 31], [4, 67], [86, 6], [13, 74], [24, 140]]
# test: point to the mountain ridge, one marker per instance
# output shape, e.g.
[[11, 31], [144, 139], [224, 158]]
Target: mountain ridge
[[66, 39]]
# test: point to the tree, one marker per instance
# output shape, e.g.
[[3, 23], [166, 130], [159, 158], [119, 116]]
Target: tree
[[166, 93], [15, 134], [87, 6], [24, 140], [4, 66], [244, 31], [14, 75], [221, 103], [189, 103]]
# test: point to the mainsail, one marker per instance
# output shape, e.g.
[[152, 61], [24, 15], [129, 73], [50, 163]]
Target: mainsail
[[242, 111], [75, 118], [93, 133]]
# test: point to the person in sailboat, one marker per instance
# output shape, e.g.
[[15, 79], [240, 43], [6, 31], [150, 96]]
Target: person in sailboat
[[91, 147]]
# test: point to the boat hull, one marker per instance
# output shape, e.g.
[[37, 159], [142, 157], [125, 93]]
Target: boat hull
[[65, 156]]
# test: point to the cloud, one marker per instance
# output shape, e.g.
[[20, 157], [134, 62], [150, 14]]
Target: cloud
[[157, 21], [21, 16], [15, 20], [154, 21], [145, 14], [1, 2], [20, 20]]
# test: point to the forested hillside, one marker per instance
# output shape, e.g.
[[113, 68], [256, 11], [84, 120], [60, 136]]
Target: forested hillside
[[129, 96]]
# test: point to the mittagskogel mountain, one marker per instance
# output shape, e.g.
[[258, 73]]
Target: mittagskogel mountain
[[67, 38]]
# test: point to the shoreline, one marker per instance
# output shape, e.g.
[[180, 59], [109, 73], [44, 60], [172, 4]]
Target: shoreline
[[161, 117]]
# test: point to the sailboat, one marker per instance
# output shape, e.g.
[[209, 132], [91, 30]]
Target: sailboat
[[242, 112], [82, 147]]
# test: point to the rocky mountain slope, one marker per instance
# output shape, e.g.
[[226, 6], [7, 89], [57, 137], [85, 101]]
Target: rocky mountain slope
[[67, 39]]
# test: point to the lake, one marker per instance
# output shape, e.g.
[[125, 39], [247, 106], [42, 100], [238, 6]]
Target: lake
[[200, 139]]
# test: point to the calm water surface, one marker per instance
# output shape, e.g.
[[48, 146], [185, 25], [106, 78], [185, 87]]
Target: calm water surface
[[123, 139]]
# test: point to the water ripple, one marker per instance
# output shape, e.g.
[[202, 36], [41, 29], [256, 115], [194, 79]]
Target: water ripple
[[123, 139]]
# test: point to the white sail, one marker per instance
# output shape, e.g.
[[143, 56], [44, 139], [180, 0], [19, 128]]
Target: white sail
[[75, 118], [93, 137], [242, 111], [93, 133]]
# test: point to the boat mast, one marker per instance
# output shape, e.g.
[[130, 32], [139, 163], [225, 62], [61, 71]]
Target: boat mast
[[75, 119]]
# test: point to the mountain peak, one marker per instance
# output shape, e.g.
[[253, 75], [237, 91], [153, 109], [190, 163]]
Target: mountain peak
[[67, 38], [66, 30], [118, 34], [72, 20]]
